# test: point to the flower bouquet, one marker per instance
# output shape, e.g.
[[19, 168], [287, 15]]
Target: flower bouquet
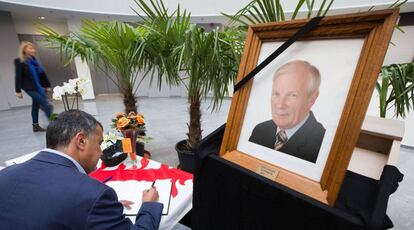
[[132, 126], [70, 92], [131, 121]]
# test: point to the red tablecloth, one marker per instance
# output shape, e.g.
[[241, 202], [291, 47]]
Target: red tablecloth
[[148, 171]]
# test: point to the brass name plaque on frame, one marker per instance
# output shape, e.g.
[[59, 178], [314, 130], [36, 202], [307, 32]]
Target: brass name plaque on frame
[[269, 173]]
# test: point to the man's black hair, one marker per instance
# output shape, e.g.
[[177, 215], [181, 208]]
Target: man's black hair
[[67, 124]]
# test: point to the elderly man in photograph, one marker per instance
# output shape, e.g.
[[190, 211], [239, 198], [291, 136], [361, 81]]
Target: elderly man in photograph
[[53, 191], [293, 129]]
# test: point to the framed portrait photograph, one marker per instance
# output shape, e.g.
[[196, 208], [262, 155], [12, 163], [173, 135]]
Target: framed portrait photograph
[[286, 105], [298, 120]]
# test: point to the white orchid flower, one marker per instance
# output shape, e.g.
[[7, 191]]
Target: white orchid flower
[[73, 86]]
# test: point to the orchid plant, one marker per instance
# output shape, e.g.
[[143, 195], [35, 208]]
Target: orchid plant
[[74, 87]]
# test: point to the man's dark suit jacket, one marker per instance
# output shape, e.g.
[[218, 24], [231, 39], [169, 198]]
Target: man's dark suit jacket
[[304, 144], [48, 192], [24, 78]]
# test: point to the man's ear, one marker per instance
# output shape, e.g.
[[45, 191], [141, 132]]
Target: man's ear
[[80, 140], [312, 98]]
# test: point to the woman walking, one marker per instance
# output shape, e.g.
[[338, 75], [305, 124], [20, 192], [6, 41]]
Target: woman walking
[[31, 77]]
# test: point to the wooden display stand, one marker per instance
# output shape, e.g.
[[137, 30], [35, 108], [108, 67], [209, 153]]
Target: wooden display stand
[[225, 193], [378, 145], [289, 179]]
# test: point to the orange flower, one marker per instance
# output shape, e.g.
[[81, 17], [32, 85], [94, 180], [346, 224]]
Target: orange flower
[[122, 122], [119, 115], [140, 120]]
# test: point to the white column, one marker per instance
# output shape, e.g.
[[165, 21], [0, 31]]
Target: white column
[[82, 68], [83, 71]]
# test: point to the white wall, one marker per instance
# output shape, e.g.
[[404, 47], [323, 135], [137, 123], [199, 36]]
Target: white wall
[[9, 29], [403, 48], [9, 45], [82, 68], [24, 26], [402, 52]]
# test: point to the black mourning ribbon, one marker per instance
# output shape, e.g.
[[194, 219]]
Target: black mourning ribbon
[[300, 33]]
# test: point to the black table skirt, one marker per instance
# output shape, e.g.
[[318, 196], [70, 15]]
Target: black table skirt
[[227, 196]]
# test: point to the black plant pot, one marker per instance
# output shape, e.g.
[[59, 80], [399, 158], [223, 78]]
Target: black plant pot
[[108, 155], [185, 157]]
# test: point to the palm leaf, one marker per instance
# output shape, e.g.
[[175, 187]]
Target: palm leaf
[[396, 89], [310, 5], [113, 47], [204, 62], [298, 6], [263, 11]]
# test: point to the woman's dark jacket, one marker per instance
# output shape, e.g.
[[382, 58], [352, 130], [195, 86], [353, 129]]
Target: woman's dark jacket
[[24, 78]]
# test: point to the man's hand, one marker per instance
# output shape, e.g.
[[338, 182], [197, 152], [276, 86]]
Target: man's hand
[[19, 95], [149, 195], [127, 204]]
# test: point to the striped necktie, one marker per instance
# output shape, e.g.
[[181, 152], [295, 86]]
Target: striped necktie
[[281, 139]]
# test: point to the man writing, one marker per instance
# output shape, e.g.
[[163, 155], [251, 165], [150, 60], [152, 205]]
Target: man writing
[[293, 129], [53, 190]]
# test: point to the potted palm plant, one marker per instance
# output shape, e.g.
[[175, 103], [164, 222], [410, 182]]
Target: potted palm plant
[[113, 47], [211, 63], [208, 62]]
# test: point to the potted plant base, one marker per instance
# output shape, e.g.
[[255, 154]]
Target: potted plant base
[[185, 157]]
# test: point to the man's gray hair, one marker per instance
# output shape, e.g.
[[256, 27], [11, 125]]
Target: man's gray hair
[[61, 130], [315, 76]]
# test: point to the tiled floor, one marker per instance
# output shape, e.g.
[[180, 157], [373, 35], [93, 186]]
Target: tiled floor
[[401, 203], [166, 122]]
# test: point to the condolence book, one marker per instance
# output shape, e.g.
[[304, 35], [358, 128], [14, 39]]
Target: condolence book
[[131, 190]]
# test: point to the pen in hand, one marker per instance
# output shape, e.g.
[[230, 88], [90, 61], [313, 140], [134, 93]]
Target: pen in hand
[[151, 194], [152, 186]]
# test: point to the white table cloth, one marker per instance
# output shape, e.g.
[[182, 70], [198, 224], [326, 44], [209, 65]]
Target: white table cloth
[[182, 182]]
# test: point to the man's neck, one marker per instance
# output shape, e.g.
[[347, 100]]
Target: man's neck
[[66, 150], [290, 132], [70, 153]]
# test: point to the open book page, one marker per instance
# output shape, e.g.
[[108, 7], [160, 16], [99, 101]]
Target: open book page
[[132, 190]]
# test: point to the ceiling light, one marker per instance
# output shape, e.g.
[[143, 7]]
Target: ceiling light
[[41, 17]]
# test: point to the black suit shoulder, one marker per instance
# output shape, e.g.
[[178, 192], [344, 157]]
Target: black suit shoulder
[[306, 142], [266, 125], [264, 134], [315, 129]]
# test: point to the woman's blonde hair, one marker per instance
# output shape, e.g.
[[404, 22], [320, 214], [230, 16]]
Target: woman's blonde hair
[[23, 57]]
